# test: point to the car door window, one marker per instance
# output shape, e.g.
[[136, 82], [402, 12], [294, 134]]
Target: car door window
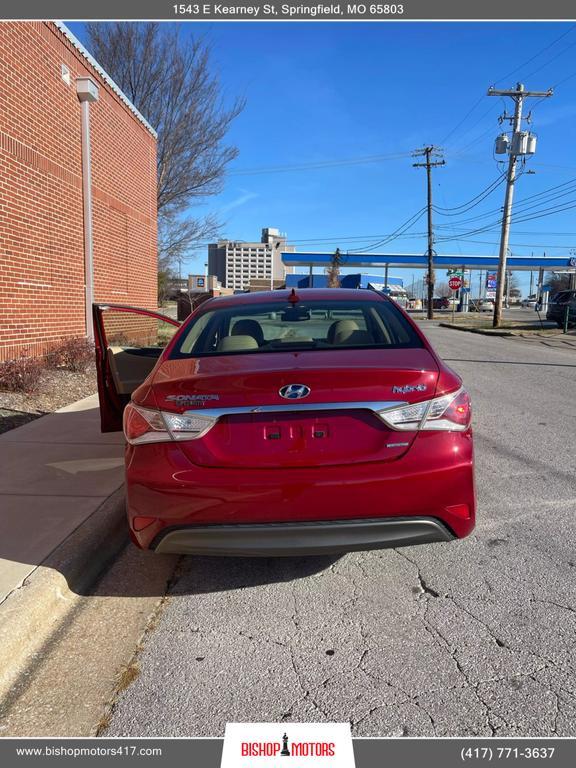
[[128, 330], [129, 341]]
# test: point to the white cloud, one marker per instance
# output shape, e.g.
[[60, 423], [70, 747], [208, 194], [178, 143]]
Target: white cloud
[[242, 199]]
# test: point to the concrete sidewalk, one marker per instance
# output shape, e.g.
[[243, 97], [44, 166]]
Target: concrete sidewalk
[[61, 521]]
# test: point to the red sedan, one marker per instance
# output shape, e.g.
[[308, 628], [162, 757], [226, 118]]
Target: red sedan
[[280, 423]]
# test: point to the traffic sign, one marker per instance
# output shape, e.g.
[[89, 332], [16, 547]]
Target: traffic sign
[[455, 283]]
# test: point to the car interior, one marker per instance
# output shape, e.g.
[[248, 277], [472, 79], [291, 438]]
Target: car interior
[[270, 328], [128, 368]]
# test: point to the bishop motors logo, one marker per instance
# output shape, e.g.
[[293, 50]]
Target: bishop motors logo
[[299, 745], [295, 749]]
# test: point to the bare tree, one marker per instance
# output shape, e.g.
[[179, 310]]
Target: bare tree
[[557, 282], [168, 79], [512, 278], [443, 290], [333, 270]]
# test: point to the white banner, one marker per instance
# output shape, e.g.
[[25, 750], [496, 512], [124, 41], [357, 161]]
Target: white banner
[[289, 745]]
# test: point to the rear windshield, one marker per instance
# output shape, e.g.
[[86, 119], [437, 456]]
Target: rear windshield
[[281, 326]]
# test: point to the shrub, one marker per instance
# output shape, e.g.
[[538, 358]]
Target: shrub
[[119, 339], [21, 375], [74, 354]]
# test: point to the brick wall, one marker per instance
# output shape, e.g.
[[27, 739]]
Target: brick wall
[[41, 224]]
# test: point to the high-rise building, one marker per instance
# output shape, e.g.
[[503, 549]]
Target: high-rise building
[[236, 262]]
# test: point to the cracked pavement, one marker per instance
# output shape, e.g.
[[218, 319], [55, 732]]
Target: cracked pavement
[[475, 637]]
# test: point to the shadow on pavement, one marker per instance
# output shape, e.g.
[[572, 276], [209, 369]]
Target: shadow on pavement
[[11, 419], [144, 574], [198, 575]]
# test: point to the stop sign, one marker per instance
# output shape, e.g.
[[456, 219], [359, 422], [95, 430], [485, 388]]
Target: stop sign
[[455, 283]]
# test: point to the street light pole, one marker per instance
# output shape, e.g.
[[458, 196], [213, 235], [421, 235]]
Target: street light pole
[[87, 92]]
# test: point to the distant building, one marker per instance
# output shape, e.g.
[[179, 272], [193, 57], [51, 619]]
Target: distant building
[[393, 288], [263, 284], [198, 289], [357, 280], [203, 283], [235, 263]]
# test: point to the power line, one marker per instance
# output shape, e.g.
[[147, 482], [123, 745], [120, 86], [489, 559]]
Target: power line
[[547, 63], [513, 245], [522, 202], [319, 165], [401, 229], [489, 111], [466, 116], [561, 82], [471, 204], [542, 213], [536, 55]]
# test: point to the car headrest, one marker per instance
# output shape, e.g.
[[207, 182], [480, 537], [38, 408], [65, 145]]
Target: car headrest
[[237, 343], [340, 328], [353, 337], [249, 327]]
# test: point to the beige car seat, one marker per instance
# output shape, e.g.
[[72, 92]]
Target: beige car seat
[[347, 332], [249, 327], [237, 343]]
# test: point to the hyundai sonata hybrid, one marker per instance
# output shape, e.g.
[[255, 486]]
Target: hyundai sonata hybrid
[[286, 423]]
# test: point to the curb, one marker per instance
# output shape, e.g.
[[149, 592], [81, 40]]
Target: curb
[[482, 331], [31, 614]]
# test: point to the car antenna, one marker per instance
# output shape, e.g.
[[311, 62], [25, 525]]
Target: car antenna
[[293, 298]]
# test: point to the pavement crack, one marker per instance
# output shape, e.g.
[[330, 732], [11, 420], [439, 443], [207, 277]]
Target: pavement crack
[[426, 588], [568, 608]]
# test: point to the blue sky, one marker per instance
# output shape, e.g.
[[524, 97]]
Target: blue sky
[[332, 92]]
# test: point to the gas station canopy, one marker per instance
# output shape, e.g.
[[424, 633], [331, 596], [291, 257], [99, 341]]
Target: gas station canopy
[[419, 261]]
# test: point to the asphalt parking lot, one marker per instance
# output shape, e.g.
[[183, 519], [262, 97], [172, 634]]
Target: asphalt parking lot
[[475, 637]]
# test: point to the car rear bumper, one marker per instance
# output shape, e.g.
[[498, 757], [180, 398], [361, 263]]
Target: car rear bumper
[[167, 493], [315, 538]]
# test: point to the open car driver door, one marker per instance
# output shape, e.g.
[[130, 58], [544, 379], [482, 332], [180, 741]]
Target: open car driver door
[[128, 343]]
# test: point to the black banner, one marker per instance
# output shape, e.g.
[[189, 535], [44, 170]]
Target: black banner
[[253, 10], [369, 753]]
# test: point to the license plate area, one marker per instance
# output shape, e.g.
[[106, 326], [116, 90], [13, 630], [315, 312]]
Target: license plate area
[[295, 440]]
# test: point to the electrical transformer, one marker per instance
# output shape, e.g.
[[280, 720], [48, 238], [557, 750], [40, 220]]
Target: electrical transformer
[[520, 142], [502, 144]]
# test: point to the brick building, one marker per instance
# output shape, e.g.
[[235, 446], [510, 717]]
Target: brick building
[[41, 214]]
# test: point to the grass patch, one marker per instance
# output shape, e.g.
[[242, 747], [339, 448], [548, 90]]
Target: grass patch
[[127, 676]]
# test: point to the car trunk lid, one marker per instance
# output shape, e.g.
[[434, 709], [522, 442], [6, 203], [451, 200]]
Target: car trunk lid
[[305, 432]]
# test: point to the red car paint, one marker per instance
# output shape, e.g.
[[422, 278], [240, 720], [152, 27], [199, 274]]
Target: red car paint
[[319, 465]]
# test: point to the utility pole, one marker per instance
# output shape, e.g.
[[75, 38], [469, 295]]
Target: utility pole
[[429, 152], [519, 147]]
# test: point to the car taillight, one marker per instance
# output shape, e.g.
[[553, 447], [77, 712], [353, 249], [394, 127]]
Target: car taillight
[[450, 412], [145, 425]]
